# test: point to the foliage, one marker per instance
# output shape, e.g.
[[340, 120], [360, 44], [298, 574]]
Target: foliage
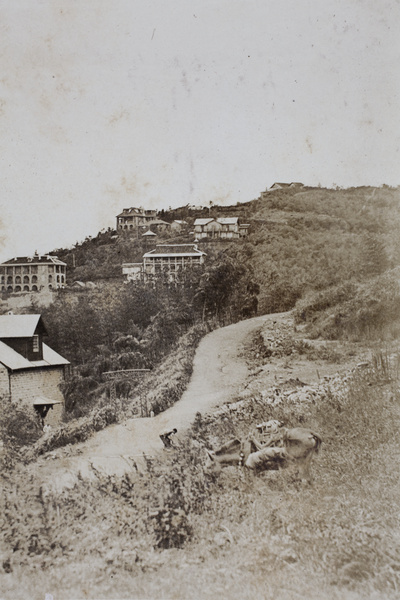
[[371, 311], [318, 238], [19, 425], [312, 304], [75, 431], [341, 532]]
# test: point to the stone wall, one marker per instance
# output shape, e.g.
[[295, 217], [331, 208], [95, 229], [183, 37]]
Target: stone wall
[[27, 385]]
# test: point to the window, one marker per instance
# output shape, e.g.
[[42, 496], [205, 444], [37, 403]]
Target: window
[[34, 279], [18, 269], [35, 343], [34, 269], [26, 270], [26, 279], [26, 288], [51, 268], [18, 279], [9, 279], [34, 288], [9, 270], [17, 288]]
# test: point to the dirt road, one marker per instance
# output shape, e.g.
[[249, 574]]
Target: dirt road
[[219, 373]]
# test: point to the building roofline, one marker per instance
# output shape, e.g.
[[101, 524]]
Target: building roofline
[[33, 260]]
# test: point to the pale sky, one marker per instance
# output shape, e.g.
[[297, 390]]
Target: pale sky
[[106, 104]]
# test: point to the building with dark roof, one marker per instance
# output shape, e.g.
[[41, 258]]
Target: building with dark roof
[[132, 218], [32, 273], [30, 371], [171, 259]]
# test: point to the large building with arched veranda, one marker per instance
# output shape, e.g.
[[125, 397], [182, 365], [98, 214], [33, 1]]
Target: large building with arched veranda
[[32, 274]]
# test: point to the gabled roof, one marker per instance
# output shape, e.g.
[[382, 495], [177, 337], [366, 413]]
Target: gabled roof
[[36, 259], [157, 222], [137, 211], [203, 221], [15, 361], [131, 211], [228, 220], [15, 326], [174, 250], [149, 234]]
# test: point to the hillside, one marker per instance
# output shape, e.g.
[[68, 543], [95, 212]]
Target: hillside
[[333, 257], [299, 241], [174, 530]]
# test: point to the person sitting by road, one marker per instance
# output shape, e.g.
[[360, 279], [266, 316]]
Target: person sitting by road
[[166, 438]]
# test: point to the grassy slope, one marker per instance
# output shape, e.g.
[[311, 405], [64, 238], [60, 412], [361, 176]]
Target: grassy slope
[[245, 537]]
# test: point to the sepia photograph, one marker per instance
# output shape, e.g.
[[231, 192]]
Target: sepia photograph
[[199, 300]]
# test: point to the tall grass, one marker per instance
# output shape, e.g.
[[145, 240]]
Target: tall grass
[[338, 536]]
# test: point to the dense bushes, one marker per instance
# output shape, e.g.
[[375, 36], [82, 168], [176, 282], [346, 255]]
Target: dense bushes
[[19, 426]]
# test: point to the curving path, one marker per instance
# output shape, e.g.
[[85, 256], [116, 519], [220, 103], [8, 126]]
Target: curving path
[[219, 372]]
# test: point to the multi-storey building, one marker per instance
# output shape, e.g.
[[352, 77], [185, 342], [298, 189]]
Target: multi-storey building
[[132, 218], [32, 274], [170, 259]]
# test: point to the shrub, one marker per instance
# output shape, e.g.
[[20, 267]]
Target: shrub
[[313, 303], [19, 425]]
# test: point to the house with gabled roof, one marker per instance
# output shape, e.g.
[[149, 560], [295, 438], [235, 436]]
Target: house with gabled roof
[[30, 371], [221, 228], [281, 186], [158, 225], [178, 225]]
